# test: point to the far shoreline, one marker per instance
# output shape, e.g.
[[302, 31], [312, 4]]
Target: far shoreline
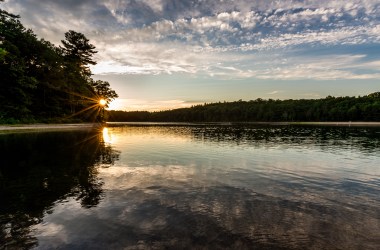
[[76, 126], [340, 123], [366, 124]]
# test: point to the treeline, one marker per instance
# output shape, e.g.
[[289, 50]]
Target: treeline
[[43, 82], [365, 108]]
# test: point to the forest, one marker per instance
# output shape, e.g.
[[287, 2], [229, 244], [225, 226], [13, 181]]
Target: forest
[[365, 108], [42, 82]]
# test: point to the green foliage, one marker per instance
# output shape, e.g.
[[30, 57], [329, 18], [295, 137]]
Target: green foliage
[[42, 82], [3, 53], [366, 108], [16, 84]]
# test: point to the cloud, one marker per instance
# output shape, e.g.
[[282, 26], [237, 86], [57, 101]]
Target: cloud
[[152, 58], [203, 45], [223, 39], [332, 67], [274, 92], [311, 95], [147, 58], [156, 5], [343, 36]]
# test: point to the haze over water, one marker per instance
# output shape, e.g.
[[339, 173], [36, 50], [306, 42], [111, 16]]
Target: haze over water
[[192, 186]]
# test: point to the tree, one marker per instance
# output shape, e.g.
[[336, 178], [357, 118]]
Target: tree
[[77, 50], [16, 48], [77, 53], [374, 95], [42, 82], [366, 108], [3, 52]]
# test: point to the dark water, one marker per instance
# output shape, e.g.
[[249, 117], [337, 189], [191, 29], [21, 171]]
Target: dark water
[[191, 187]]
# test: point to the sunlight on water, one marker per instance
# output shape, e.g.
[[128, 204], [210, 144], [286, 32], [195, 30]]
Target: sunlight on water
[[106, 136], [154, 186]]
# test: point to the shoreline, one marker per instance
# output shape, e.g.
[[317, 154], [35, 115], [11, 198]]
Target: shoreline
[[76, 126], [48, 127], [345, 124], [372, 124]]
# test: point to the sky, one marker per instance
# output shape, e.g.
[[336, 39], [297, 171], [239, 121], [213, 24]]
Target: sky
[[165, 54]]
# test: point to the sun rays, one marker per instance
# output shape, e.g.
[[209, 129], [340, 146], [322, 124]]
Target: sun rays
[[102, 102], [95, 110]]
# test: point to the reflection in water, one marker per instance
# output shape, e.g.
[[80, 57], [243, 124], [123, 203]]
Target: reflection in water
[[106, 136], [40, 169], [194, 186]]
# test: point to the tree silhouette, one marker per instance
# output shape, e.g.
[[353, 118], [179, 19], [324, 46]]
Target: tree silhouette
[[103, 90], [41, 82], [365, 108], [77, 49], [53, 167]]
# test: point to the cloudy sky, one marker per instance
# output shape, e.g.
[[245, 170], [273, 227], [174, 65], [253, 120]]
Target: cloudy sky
[[160, 54]]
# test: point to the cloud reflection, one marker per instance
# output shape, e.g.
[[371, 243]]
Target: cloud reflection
[[223, 204]]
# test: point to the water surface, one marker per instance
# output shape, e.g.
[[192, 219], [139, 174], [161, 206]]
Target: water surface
[[191, 186]]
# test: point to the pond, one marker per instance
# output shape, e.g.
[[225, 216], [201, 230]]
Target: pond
[[186, 186]]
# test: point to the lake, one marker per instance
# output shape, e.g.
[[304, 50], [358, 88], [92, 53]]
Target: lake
[[191, 186]]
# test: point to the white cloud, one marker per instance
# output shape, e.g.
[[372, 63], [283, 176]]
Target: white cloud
[[156, 58], [156, 5], [282, 29], [330, 67], [343, 36], [374, 65], [108, 67]]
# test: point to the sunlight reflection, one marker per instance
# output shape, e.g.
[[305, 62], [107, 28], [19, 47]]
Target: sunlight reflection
[[106, 136]]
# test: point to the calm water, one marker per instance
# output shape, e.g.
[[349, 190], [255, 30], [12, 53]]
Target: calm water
[[191, 186]]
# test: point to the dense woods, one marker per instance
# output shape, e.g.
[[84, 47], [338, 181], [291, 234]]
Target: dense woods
[[41, 82], [365, 108]]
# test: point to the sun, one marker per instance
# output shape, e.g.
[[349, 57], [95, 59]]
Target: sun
[[102, 102]]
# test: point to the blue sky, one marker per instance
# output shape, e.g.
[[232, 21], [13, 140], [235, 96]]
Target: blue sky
[[163, 54]]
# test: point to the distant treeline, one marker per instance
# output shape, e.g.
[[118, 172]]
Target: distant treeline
[[365, 108], [41, 82]]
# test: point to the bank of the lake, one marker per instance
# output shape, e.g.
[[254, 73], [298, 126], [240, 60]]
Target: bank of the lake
[[47, 127]]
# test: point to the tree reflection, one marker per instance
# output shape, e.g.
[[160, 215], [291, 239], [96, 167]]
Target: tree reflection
[[325, 137], [39, 169]]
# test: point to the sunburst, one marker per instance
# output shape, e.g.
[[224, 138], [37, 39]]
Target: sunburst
[[96, 108], [102, 102]]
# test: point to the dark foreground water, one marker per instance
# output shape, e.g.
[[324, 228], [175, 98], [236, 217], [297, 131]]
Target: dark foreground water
[[191, 187]]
